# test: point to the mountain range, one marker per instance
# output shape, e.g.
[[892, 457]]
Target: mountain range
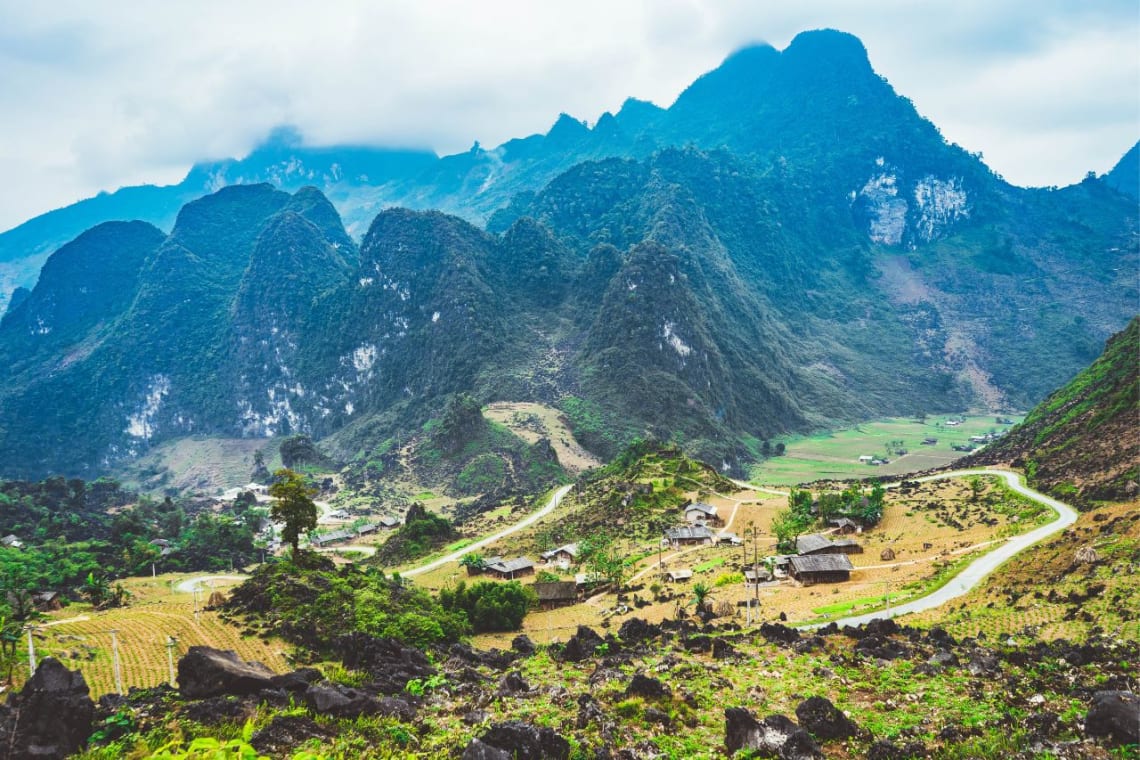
[[788, 246]]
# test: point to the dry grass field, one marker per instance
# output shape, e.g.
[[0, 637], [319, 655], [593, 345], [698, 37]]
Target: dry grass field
[[80, 637], [532, 421]]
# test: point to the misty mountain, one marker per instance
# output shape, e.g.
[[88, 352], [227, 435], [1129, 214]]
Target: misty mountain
[[788, 246]]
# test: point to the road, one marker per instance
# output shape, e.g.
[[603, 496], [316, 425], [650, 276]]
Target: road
[[977, 570], [526, 522], [187, 586]]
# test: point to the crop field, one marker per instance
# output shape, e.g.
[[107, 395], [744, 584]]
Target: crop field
[[836, 455], [208, 465], [80, 637]]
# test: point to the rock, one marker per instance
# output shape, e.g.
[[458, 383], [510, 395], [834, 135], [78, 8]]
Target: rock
[[523, 645], [775, 735], [887, 750], [779, 634], [390, 663], [215, 710], [477, 750], [475, 717], [984, 665], [660, 717], [881, 648], [297, 681], [824, 720], [637, 631], [581, 645], [209, 672], [722, 650], [698, 643], [512, 683], [340, 701], [285, 732], [51, 717], [1114, 715], [882, 627], [526, 742], [943, 659], [644, 686], [589, 711]]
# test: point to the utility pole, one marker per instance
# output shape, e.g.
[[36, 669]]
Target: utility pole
[[31, 652], [170, 643], [115, 656]]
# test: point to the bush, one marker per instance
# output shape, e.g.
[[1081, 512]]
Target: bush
[[490, 606]]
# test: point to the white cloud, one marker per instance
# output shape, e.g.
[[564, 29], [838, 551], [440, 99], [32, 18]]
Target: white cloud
[[96, 96]]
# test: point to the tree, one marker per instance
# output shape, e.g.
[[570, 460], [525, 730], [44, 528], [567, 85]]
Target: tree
[[294, 505], [701, 594], [473, 562], [781, 449], [788, 525]]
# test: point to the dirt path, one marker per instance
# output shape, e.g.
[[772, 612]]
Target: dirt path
[[976, 571], [190, 584], [527, 521]]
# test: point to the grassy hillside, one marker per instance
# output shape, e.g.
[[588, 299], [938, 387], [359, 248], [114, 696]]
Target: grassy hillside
[[1081, 444]]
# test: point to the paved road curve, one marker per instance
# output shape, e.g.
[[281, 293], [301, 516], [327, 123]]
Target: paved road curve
[[526, 522], [973, 574]]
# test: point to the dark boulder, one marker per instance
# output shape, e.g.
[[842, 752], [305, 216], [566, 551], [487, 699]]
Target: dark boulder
[[1115, 716], [881, 648], [522, 741], [581, 645], [943, 659], [296, 681], [589, 711], [523, 645], [51, 717], [779, 634], [644, 686], [637, 631], [390, 664], [477, 750], [888, 750], [340, 701], [824, 720], [722, 650], [208, 672], [698, 643], [512, 683], [215, 710], [776, 735], [660, 717], [984, 664]]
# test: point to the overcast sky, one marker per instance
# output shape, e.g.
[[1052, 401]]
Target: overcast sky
[[98, 95]]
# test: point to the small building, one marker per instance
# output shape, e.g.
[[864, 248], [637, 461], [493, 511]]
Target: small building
[[510, 569], [564, 556], [847, 546], [728, 539], [815, 543], [586, 582], [680, 575], [866, 459], [688, 535], [387, 522], [700, 512], [332, 537], [757, 575], [556, 594], [46, 601], [929, 441], [845, 525], [366, 528], [823, 568], [12, 541]]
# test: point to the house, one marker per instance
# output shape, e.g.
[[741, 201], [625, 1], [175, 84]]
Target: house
[[509, 569], [952, 423], [866, 459], [729, 539], [46, 601], [845, 525], [332, 537], [754, 575], [701, 513], [366, 528], [687, 535], [555, 594], [814, 543], [929, 441], [11, 541], [589, 581], [823, 568], [564, 556], [680, 575], [847, 546], [388, 522]]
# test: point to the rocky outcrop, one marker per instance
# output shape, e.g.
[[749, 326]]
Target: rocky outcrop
[[390, 664], [518, 741], [824, 720], [50, 717], [1114, 716], [775, 736], [208, 672]]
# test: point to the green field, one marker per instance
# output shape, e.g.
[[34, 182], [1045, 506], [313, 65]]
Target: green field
[[836, 454]]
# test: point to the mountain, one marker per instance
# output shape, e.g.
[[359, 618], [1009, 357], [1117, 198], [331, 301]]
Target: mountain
[[1125, 176], [1080, 444], [788, 246]]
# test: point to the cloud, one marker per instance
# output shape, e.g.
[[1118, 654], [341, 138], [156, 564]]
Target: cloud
[[96, 96]]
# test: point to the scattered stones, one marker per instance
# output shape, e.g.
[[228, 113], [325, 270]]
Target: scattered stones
[[513, 683], [589, 711], [775, 735], [824, 720], [887, 750], [644, 686], [637, 631], [475, 717], [51, 717], [779, 634], [522, 741], [209, 672], [1115, 716]]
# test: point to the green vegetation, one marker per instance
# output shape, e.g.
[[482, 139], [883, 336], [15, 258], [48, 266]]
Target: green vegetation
[[421, 533], [490, 606], [294, 505]]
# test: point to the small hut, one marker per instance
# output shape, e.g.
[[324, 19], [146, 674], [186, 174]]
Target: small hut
[[887, 554]]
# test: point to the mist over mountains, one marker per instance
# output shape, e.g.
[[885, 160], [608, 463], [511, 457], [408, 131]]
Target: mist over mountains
[[789, 245]]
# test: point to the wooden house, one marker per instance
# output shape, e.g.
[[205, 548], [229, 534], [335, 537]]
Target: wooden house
[[680, 575], [821, 568], [563, 557], [556, 594], [845, 525], [509, 569], [689, 535], [701, 513], [814, 543]]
